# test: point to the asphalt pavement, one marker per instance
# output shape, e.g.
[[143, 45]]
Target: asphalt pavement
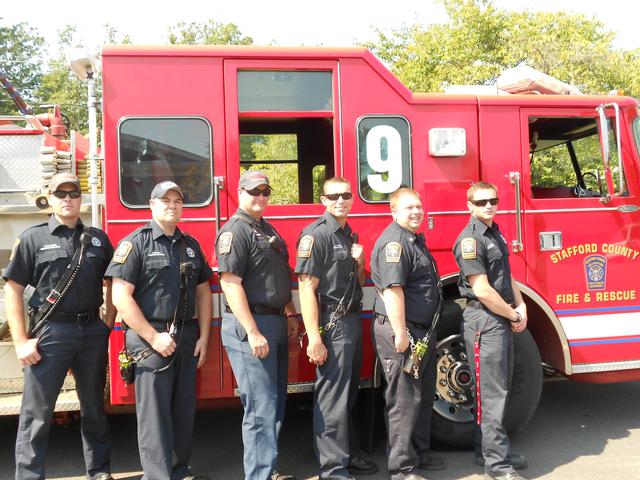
[[579, 432]]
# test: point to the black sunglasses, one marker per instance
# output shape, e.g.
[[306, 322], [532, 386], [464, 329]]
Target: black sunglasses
[[482, 203], [63, 193], [336, 196], [255, 192]]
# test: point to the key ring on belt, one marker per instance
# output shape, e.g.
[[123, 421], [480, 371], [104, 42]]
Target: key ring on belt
[[418, 349]]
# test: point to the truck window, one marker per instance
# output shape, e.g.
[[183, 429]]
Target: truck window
[[384, 156], [151, 150], [286, 130], [284, 91], [565, 159]]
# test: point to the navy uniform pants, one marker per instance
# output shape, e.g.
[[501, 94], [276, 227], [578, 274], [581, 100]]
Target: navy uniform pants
[[408, 401], [335, 393], [263, 389], [165, 405], [496, 369], [64, 346]]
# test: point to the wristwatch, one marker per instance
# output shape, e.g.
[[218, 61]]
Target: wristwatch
[[518, 318]]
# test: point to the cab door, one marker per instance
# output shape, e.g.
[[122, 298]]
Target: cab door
[[581, 231], [283, 117]]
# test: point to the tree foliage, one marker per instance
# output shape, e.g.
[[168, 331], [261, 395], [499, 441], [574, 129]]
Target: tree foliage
[[59, 86], [480, 41], [21, 54], [208, 32]]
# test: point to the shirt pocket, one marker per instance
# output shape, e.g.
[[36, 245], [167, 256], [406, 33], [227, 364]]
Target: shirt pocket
[[494, 255], [52, 264], [196, 268], [97, 259], [157, 270], [339, 254], [424, 261], [262, 250]]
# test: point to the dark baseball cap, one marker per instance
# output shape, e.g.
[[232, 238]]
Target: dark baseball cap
[[251, 179], [62, 178], [161, 189]]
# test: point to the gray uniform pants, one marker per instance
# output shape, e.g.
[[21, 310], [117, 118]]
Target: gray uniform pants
[[165, 406], [64, 346], [408, 402], [263, 389], [496, 369], [335, 393]]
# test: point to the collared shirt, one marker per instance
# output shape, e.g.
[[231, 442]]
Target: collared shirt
[[253, 250], [401, 258], [150, 260], [482, 250], [324, 251], [41, 256]]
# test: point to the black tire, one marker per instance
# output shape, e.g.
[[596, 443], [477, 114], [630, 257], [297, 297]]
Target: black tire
[[453, 421]]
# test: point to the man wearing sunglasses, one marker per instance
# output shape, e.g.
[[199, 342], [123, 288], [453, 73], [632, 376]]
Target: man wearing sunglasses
[[69, 333], [495, 311], [258, 320], [161, 289], [407, 302], [330, 266]]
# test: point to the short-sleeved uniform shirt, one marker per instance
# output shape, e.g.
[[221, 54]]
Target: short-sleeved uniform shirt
[[401, 258], [482, 250], [41, 255], [324, 251], [253, 250], [150, 260]]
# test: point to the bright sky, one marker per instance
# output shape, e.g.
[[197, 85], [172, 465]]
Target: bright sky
[[284, 22]]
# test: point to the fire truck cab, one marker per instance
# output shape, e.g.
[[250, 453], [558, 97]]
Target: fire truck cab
[[567, 168]]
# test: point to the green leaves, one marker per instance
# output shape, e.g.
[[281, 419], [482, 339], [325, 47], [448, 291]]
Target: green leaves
[[21, 53], [208, 32], [480, 41]]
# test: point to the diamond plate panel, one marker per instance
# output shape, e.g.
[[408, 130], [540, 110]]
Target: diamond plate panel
[[20, 161]]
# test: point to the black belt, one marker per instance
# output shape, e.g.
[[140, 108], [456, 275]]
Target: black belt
[[260, 310], [332, 307], [381, 319], [77, 318]]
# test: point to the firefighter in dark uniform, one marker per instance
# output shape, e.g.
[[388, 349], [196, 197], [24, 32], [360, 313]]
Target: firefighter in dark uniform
[[255, 277], [330, 266], [409, 298], [168, 344], [495, 311], [70, 335]]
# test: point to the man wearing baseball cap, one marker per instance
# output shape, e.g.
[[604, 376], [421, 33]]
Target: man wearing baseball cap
[[160, 276], [259, 317], [66, 330]]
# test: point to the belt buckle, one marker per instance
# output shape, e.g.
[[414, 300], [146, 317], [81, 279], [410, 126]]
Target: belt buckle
[[83, 318]]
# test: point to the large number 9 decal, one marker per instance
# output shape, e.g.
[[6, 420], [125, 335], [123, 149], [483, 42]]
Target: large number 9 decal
[[384, 141], [384, 156]]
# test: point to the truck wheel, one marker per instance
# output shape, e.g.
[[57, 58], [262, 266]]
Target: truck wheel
[[454, 399]]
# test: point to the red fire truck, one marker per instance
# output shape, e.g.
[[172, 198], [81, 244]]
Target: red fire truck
[[567, 168]]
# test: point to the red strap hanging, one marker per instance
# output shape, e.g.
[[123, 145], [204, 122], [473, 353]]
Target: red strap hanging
[[476, 354]]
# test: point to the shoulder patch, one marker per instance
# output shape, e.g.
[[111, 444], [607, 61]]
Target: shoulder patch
[[14, 249], [305, 246], [224, 243], [122, 252], [95, 241], [393, 252], [468, 246]]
